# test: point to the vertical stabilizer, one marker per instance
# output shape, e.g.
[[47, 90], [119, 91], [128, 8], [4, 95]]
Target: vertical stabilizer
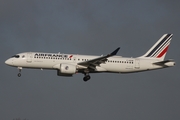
[[160, 48]]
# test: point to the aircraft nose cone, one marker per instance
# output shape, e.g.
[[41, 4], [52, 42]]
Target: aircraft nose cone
[[8, 62]]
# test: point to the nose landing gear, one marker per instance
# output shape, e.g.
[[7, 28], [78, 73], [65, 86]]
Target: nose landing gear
[[19, 74]]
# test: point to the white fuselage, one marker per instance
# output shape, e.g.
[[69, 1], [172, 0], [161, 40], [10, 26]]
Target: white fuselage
[[115, 64]]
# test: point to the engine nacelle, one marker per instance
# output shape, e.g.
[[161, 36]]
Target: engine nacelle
[[65, 69], [62, 74]]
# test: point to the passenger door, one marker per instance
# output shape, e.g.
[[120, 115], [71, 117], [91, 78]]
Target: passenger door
[[137, 64], [29, 58]]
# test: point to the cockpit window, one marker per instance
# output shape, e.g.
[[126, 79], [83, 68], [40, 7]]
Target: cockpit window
[[23, 56], [16, 56]]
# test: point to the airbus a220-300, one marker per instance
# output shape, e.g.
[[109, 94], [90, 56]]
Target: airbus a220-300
[[70, 64]]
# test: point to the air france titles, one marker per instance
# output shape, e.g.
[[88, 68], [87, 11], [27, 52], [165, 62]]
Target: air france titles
[[51, 55]]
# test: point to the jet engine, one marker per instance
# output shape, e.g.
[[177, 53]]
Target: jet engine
[[65, 69]]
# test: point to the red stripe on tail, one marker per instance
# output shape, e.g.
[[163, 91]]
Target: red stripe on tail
[[163, 52]]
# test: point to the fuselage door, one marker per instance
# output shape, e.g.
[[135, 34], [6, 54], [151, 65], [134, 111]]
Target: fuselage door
[[137, 64], [29, 57]]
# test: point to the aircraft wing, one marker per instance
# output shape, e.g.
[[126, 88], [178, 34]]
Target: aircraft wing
[[97, 61]]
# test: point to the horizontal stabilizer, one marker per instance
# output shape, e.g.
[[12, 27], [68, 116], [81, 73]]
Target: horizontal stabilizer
[[169, 62]]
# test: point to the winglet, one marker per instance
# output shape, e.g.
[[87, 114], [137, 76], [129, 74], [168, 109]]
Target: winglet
[[115, 51]]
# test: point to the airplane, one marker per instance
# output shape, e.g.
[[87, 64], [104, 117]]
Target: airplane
[[69, 64]]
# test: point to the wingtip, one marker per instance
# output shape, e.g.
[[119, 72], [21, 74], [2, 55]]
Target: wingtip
[[168, 34], [115, 51]]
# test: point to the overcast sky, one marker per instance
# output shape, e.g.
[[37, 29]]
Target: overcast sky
[[92, 27]]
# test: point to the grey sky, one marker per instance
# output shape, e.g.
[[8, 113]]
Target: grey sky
[[88, 27]]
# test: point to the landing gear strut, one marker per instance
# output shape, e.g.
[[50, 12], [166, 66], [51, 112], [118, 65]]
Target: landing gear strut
[[86, 77], [19, 74]]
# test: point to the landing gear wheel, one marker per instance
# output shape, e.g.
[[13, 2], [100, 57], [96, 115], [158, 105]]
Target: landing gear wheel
[[86, 78], [19, 74]]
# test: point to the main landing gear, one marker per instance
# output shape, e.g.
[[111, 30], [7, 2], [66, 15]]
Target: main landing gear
[[86, 77], [19, 74]]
